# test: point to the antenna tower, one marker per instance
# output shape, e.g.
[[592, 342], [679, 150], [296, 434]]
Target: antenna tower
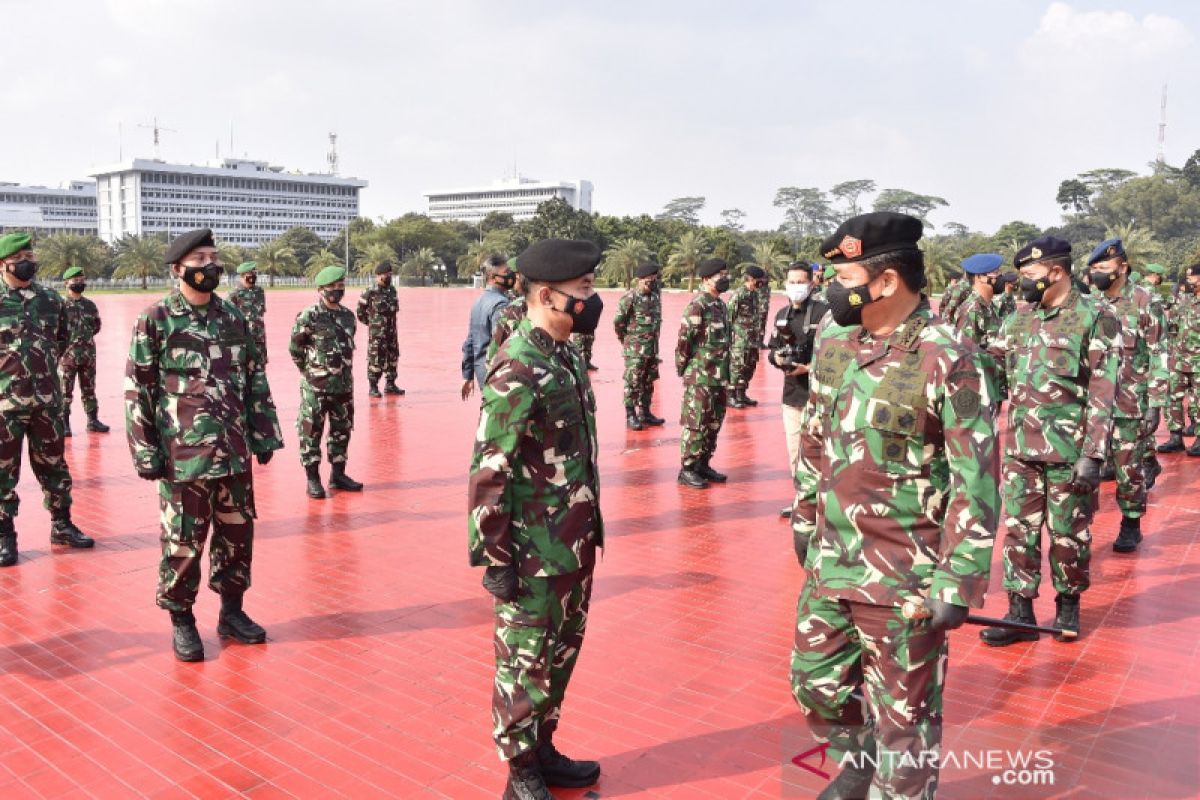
[[1161, 157], [332, 158]]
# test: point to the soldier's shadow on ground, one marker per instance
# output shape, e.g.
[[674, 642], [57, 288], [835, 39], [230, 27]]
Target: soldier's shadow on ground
[[78, 652], [1156, 605]]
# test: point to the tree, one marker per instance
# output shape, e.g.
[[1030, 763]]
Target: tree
[[684, 209], [849, 192], [1103, 180], [322, 259], [1015, 231], [420, 264], [1074, 194], [1167, 207], [940, 262], [276, 258], [302, 242], [231, 256], [621, 260], [62, 250], [806, 212], [1191, 170], [139, 257], [556, 219], [374, 255], [685, 255], [957, 229], [902, 201], [731, 219], [496, 220], [360, 228], [770, 260]]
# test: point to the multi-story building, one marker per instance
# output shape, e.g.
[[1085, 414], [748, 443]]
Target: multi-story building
[[43, 211], [517, 196], [244, 202]]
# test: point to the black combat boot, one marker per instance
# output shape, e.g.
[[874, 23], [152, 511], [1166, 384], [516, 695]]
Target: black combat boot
[[525, 780], [234, 622], [1151, 468], [67, 423], [690, 476], [374, 390], [1172, 445], [185, 639], [1067, 618], [315, 490], [632, 420], [1107, 472], [391, 388], [747, 400], [735, 399], [558, 770], [785, 512], [1020, 609], [592, 367], [338, 479], [648, 419], [1130, 535], [1190, 430], [705, 469], [8, 543], [1194, 450], [852, 783], [63, 531], [95, 425]]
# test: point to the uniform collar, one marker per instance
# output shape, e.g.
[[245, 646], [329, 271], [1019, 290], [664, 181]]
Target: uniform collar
[[178, 305], [908, 335]]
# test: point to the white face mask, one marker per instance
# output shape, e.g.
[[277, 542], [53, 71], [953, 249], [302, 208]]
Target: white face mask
[[798, 292]]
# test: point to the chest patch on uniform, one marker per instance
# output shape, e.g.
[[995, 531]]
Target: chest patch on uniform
[[1109, 326], [965, 402]]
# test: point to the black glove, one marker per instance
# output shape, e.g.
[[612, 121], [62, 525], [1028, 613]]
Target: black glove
[[264, 458], [945, 616], [152, 474], [1150, 421], [1085, 477], [501, 583]]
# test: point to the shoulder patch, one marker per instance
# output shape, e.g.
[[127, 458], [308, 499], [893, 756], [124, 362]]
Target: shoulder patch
[[965, 402]]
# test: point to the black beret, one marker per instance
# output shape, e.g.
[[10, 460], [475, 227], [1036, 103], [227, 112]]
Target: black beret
[[383, 269], [755, 271], [1194, 269], [710, 266], [557, 260], [186, 243], [872, 234], [1041, 248], [646, 269]]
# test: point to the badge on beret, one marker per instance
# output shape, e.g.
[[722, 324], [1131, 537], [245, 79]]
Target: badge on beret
[[966, 402], [1112, 251], [1035, 253], [850, 247]]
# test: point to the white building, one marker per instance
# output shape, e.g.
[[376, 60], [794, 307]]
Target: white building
[[244, 202], [517, 196], [44, 211]]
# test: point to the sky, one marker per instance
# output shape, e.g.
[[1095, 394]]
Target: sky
[[986, 103]]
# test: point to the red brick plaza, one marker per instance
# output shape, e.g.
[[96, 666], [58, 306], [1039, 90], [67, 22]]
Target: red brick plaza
[[376, 679]]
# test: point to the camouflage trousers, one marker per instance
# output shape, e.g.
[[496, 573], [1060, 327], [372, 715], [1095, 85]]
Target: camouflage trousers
[[383, 351], [537, 639], [188, 509], [901, 665], [43, 427], [1036, 494], [1129, 449], [87, 385], [640, 374], [743, 361], [310, 424], [260, 341], [583, 343], [701, 418], [1184, 386]]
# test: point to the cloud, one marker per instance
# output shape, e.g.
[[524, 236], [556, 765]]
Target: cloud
[[1101, 40]]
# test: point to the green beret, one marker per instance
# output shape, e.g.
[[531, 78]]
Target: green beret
[[71, 273], [1135, 277], [13, 243], [330, 275], [830, 272], [246, 266], [1157, 269]]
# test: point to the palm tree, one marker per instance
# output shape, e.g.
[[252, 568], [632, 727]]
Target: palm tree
[[622, 259], [231, 255], [139, 257], [276, 258], [321, 260], [770, 261], [685, 255], [420, 264], [1141, 247], [376, 253], [940, 263], [62, 250]]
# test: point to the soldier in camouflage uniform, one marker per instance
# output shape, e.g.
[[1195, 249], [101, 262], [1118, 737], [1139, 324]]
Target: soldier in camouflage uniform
[[762, 288], [898, 502], [584, 342], [508, 321], [1006, 302], [197, 407], [1184, 361], [78, 358], [33, 330], [744, 348], [534, 513], [702, 360], [377, 309], [251, 300], [322, 347], [952, 298], [976, 317], [1141, 383], [637, 323], [1059, 356]]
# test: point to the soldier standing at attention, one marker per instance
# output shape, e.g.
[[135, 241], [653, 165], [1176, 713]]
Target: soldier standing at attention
[[377, 309], [485, 313], [637, 323], [79, 356], [762, 288], [1141, 384], [743, 353], [251, 300], [1006, 303], [534, 513], [33, 329], [511, 316], [1184, 361], [898, 503], [1059, 356], [197, 407], [953, 297], [976, 317], [584, 342], [322, 347], [702, 360]]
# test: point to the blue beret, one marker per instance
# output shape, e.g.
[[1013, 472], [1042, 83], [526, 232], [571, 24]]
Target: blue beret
[[1041, 248], [982, 263], [1109, 248]]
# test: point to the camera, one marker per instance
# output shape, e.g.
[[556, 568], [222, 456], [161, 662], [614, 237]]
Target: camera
[[787, 358]]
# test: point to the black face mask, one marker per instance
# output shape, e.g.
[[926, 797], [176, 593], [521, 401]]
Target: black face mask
[[333, 295], [846, 304], [1103, 280], [722, 285], [24, 270], [584, 314], [251, 280], [387, 281], [507, 282], [77, 287], [203, 279], [1033, 290]]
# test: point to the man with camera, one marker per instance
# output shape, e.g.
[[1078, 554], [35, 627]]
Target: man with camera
[[791, 349]]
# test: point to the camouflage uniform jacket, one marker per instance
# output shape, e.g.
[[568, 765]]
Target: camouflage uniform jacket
[[898, 484], [764, 310], [977, 320], [252, 302], [638, 322], [952, 298], [83, 323], [1185, 330], [702, 350], [1060, 365], [377, 309], [197, 402], [33, 331], [743, 317], [508, 321], [533, 496], [322, 348], [1142, 380], [1006, 304]]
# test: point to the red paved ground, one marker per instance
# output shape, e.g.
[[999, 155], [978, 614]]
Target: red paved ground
[[376, 678]]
